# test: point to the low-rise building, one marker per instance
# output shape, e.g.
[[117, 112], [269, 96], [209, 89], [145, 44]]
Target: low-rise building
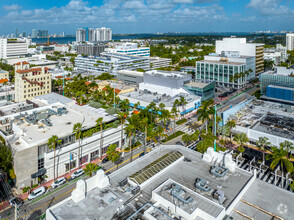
[[163, 185], [27, 134], [157, 62], [204, 90], [228, 69], [273, 56], [31, 82], [164, 87], [280, 81], [62, 48], [130, 49], [13, 48], [91, 49], [111, 63], [4, 76], [130, 77]]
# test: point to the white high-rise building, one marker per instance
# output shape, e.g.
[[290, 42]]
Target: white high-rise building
[[244, 49], [91, 34], [10, 48], [103, 34], [81, 35], [290, 41]]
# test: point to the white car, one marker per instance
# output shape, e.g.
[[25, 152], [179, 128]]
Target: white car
[[77, 173], [37, 192], [58, 182]]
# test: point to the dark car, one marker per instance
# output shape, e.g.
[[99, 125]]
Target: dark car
[[16, 201], [105, 159], [141, 154]]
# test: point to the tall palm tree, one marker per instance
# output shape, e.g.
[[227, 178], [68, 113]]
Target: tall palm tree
[[186, 138], [151, 108], [113, 154], [52, 144], [231, 124], [241, 139], [80, 95], [279, 155], [77, 129], [99, 123], [130, 130], [174, 113], [161, 106], [262, 143], [183, 102], [90, 169], [122, 116]]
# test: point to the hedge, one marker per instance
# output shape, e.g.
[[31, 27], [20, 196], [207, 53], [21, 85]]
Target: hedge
[[181, 121]]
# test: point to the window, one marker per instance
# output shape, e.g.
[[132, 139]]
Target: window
[[94, 155], [73, 164], [84, 159], [40, 163]]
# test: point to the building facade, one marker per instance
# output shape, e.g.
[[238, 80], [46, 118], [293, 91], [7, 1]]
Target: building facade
[[204, 90], [31, 82], [244, 48], [10, 48], [130, 77], [157, 62], [93, 35], [273, 56], [90, 50], [111, 63], [81, 35], [131, 49]]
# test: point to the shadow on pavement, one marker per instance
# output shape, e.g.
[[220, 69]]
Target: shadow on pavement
[[35, 215]]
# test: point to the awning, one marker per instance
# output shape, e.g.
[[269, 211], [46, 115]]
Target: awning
[[39, 173], [131, 104]]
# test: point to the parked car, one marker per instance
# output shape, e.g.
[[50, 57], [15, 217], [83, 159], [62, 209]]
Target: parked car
[[58, 182], [16, 201], [37, 192], [141, 154], [77, 173], [105, 159]]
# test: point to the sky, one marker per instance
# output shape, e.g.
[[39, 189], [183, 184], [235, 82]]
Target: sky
[[147, 16]]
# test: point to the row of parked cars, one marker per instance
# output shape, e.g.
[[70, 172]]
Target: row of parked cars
[[42, 190]]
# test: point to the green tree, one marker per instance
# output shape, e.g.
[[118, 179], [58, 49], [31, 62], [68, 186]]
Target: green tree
[[113, 154], [205, 112], [52, 144], [77, 130], [130, 130], [262, 143], [288, 146], [174, 114], [279, 156], [231, 124], [5, 158], [90, 169], [186, 138]]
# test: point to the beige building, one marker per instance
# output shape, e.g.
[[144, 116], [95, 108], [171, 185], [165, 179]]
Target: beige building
[[4, 76], [31, 82]]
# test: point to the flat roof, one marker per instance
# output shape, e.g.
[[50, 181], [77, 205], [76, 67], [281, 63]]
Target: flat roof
[[221, 62], [53, 97], [108, 202], [150, 97], [197, 84], [130, 72]]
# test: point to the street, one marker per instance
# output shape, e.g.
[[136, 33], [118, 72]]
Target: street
[[36, 208]]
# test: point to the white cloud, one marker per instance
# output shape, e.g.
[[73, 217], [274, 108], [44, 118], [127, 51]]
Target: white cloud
[[13, 7], [270, 7]]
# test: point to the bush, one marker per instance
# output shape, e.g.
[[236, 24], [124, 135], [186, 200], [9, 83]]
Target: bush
[[174, 135], [136, 144], [26, 189], [181, 121]]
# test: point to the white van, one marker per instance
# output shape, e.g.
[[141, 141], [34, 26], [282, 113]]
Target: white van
[[37, 192]]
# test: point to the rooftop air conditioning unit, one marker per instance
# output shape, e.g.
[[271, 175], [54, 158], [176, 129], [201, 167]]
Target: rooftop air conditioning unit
[[135, 190], [123, 182]]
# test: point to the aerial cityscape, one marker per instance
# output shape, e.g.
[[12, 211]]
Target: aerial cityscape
[[147, 110]]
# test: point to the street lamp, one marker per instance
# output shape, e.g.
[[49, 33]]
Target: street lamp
[[215, 127]]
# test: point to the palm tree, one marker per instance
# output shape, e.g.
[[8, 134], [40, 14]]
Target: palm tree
[[161, 106], [113, 154], [90, 169], [130, 130], [262, 143], [183, 102], [174, 113], [231, 124], [151, 108], [122, 116], [52, 144], [241, 139], [288, 146], [99, 123], [203, 115], [80, 95], [279, 155], [77, 129]]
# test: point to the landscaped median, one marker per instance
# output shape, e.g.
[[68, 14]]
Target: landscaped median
[[174, 135], [134, 146], [181, 121]]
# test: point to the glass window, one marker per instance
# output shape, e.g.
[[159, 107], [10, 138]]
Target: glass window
[[84, 159], [73, 164]]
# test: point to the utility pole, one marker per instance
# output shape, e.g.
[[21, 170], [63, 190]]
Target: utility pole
[[15, 211], [63, 83]]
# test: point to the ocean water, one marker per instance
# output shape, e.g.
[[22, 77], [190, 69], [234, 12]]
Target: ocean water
[[68, 40]]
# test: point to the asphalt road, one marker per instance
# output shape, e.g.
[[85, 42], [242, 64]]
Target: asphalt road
[[34, 209]]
